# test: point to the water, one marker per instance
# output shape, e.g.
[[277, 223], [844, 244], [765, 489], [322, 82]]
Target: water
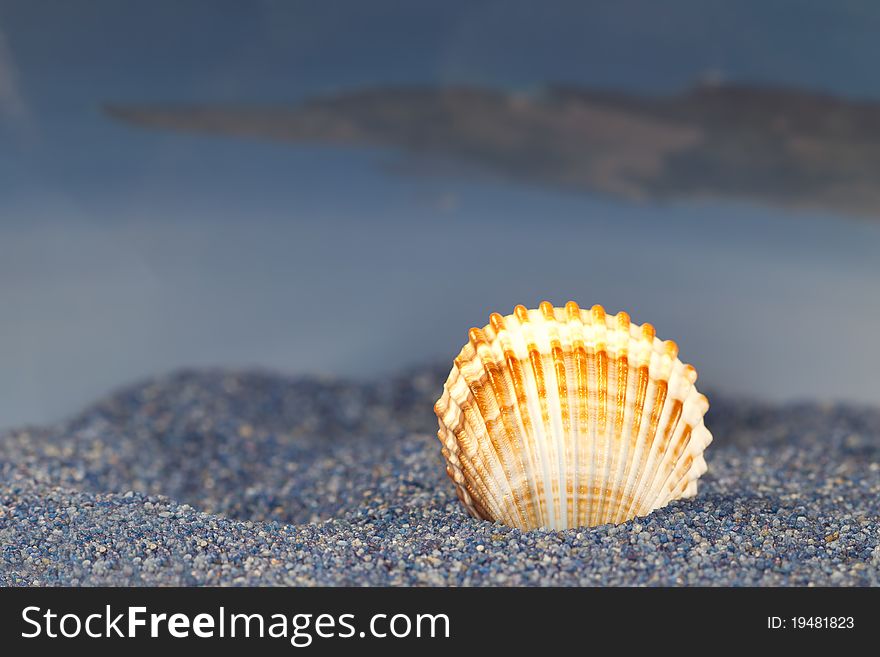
[[127, 251]]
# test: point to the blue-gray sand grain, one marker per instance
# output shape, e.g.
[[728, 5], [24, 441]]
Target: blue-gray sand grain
[[237, 478]]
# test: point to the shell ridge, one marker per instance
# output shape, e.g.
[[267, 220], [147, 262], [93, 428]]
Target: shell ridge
[[453, 471], [686, 458], [456, 474], [451, 451], [543, 439], [599, 448], [698, 467], [514, 427], [582, 422], [576, 373], [592, 376], [635, 391], [519, 368], [617, 396], [539, 346], [477, 473], [560, 416], [480, 470], [573, 430], [510, 442], [648, 443], [665, 433], [678, 384], [515, 371], [553, 426], [660, 370], [500, 455], [641, 378], [619, 329], [612, 433], [562, 429], [595, 338], [671, 466], [680, 458]]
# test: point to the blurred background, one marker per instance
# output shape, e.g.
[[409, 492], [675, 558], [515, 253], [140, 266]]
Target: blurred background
[[344, 188]]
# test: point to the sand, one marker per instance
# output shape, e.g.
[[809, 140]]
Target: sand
[[250, 478]]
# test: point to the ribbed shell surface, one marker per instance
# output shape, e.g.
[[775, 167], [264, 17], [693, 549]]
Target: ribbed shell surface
[[563, 417]]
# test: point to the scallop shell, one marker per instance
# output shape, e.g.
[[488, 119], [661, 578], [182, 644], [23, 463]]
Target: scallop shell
[[562, 417]]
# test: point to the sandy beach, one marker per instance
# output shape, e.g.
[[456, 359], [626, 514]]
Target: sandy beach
[[215, 477]]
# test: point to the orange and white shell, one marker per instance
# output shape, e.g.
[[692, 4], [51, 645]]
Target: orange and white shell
[[562, 417]]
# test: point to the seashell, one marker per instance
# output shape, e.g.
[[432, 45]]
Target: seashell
[[563, 417]]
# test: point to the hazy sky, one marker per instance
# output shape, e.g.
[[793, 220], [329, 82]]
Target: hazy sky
[[127, 252]]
